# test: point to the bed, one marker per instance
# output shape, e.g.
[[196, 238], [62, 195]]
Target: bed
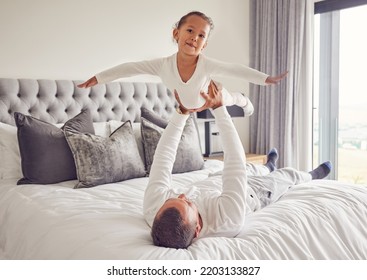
[[43, 219]]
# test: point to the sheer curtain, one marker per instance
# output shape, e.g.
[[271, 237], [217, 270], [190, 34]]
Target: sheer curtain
[[281, 38]]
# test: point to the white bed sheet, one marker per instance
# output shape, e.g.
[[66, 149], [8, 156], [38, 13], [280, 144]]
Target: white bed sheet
[[318, 220]]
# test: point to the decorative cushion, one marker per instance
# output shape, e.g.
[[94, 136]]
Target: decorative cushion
[[188, 157], [45, 155], [153, 117], [101, 160], [137, 133], [9, 153]]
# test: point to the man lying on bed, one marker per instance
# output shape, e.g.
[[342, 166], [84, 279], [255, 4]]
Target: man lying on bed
[[176, 219]]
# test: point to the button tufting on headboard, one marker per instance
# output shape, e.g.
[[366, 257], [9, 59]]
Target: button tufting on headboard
[[56, 101]]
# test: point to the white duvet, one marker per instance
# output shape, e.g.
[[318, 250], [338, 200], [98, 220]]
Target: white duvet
[[318, 220]]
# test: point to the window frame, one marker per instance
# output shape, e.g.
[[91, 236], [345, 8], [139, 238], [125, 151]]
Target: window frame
[[328, 108], [326, 6], [329, 89]]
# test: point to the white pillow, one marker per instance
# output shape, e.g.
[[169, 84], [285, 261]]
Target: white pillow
[[137, 133], [10, 167], [100, 128]]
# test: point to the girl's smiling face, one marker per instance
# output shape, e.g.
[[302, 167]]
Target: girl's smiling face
[[192, 35]]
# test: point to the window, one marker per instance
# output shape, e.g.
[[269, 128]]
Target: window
[[340, 94]]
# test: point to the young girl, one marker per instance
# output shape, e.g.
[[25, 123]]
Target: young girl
[[188, 72]]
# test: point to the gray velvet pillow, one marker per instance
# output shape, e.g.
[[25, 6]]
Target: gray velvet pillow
[[188, 157], [101, 160], [153, 117], [45, 155]]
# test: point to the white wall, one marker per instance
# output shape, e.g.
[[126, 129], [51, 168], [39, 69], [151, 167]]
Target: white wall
[[74, 39]]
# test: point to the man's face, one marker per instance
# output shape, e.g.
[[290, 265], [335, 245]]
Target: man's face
[[187, 209]]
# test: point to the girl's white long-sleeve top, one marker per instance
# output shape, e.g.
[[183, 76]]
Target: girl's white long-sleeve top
[[189, 91], [222, 201]]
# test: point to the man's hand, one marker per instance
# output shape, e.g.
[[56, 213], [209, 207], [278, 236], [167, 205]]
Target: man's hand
[[181, 107], [89, 83], [213, 99]]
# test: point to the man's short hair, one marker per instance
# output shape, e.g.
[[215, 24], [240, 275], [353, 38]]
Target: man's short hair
[[169, 230]]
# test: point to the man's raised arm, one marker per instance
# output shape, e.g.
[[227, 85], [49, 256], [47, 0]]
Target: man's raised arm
[[232, 202], [160, 175]]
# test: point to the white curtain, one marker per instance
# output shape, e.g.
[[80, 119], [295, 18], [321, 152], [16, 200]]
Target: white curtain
[[282, 39]]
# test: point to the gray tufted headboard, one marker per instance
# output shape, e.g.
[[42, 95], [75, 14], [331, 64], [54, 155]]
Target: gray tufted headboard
[[56, 101]]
